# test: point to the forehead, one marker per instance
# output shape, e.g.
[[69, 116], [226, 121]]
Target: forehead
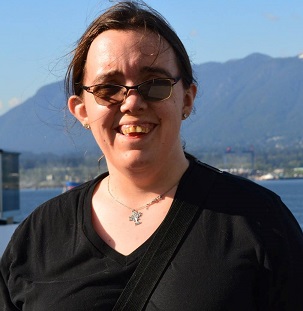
[[127, 52]]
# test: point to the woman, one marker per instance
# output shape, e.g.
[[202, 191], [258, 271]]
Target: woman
[[132, 86]]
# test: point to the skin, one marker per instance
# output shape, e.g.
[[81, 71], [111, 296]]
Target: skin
[[141, 165]]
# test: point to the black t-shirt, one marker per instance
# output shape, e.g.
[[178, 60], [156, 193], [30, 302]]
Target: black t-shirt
[[244, 252]]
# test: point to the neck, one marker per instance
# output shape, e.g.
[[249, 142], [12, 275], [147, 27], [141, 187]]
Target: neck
[[155, 178]]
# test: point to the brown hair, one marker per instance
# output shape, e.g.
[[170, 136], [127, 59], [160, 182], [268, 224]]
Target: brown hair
[[126, 15]]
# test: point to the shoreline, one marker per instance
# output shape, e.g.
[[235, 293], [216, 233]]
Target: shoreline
[[253, 178]]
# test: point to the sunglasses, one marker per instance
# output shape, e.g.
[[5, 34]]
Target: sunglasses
[[115, 94]]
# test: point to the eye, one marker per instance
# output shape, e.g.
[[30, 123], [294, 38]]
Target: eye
[[106, 91], [155, 90]]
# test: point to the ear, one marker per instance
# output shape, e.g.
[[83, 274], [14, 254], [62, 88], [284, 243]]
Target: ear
[[189, 98], [77, 108]]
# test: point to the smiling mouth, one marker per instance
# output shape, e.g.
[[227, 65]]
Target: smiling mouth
[[135, 129]]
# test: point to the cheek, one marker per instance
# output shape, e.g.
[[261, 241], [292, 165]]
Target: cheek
[[101, 119], [176, 108], [98, 115], [102, 135], [97, 120], [171, 117]]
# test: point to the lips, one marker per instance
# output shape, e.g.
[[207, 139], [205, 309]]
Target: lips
[[130, 129]]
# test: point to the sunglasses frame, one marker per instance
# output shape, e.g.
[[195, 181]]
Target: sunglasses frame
[[88, 89]]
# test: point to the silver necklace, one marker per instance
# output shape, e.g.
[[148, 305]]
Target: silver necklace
[[136, 215]]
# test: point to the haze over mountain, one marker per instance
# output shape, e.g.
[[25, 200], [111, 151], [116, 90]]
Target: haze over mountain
[[257, 100]]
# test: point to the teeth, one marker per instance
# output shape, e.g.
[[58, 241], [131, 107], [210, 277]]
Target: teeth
[[128, 129], [139, 129]]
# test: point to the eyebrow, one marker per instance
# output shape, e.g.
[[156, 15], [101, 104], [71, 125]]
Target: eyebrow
[[116, 73], [159, 70], [107, 75]]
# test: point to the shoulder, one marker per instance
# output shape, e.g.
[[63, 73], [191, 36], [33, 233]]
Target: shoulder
[[234, 197], [247, 211], [68, 201], [54, 220], [233, 189], [59, 207]]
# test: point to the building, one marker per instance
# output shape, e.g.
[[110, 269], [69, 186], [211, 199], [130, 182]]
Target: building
[[9, 186]]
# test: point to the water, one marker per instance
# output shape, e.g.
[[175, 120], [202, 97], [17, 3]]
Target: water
[[291, 192], [31, 198]]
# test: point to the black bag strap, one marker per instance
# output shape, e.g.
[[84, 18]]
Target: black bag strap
[[163, 246]]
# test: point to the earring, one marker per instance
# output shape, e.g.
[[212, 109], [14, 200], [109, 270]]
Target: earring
[[184, 115], [86, 126]]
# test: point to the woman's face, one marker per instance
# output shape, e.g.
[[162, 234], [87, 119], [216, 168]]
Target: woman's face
[[135, 133]]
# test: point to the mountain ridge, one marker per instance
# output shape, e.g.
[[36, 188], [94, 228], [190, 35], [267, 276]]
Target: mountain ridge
[[257, 100], [250, 101]]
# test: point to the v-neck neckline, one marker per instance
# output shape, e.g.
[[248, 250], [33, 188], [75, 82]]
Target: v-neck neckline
[[99, 243]]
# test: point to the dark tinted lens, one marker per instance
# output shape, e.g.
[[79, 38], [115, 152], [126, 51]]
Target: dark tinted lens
[[155, 90], [108, 94]]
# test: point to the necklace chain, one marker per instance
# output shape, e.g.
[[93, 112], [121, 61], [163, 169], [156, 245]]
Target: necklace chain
[[135, 216]]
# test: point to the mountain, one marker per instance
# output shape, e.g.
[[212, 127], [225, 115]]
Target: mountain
[[43, 124], [257, 100]]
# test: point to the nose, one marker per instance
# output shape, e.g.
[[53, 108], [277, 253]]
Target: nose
[[133, 102]]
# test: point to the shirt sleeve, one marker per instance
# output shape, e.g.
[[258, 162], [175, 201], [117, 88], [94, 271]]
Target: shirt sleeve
[[290, 294], [5, 301]]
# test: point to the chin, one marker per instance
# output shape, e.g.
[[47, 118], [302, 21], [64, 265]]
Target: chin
[[138, 158]]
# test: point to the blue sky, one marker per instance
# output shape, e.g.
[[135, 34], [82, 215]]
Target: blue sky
[[36, 35]]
